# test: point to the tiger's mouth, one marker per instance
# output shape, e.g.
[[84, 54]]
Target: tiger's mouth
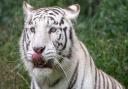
[[39, 61], [43, 65]]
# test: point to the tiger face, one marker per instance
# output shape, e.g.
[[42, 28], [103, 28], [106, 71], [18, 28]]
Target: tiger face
[[48, 36]]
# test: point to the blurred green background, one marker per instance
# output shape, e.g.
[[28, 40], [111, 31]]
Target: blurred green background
[[102, 26]]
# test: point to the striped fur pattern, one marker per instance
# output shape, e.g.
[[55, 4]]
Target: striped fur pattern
[[52, 29]]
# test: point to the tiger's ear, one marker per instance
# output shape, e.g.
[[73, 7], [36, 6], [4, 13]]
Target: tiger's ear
[[72, 12], [27, 8]]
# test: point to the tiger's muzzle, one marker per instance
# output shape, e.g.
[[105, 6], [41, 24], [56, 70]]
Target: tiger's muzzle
[[39, 61]]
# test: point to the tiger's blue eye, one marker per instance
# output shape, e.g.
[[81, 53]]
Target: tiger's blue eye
[[52, 30], [32, 29]]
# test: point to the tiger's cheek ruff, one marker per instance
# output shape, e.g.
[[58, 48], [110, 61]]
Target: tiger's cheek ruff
[[62, 38], [50, 51]]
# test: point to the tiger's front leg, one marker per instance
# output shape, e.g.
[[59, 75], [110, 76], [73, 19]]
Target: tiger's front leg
[[34, 84]]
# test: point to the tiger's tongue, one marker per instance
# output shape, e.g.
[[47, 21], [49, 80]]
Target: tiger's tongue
[[37, 59]]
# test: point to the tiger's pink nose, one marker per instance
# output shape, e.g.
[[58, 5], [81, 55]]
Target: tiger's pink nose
[[38, 50]]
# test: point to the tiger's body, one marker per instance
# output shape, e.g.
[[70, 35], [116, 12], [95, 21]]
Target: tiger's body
[[53, 55]]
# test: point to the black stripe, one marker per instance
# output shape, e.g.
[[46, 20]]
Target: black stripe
[[70, 35], [40, 16], [120, 86], [27, 36], [30, 21], [103, 80], [40, 10], [35, 18], [27, 45], [59, 37], [38, 13], [59, 44], [46, 10], [55, 22], [61, 21], [111, 82], [107, 82], [91, 63], [71, 46], [114, 84], [82, 83], [74, 77], [95, 79], [53, 19], [55, 82], [70, 53], [51, 14], [24, 41], [27, 40], [56, 10], [64, 29], [24, 36], [99, 80]]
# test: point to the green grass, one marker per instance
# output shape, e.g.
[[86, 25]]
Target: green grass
[[105, 33]]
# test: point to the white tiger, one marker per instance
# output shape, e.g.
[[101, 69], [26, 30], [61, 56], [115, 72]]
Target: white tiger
[[53, 55]]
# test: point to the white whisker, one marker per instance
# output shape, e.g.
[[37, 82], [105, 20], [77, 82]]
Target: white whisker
[[62, 68]]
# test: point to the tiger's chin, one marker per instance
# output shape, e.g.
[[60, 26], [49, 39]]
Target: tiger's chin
[[40, 72], [40, 75], [43, 69]]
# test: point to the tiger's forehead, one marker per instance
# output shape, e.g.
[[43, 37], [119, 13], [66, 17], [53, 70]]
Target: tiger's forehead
[[54, 14], [50, 10]]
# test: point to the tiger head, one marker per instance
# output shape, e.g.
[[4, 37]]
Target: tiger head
[[48, 36]]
